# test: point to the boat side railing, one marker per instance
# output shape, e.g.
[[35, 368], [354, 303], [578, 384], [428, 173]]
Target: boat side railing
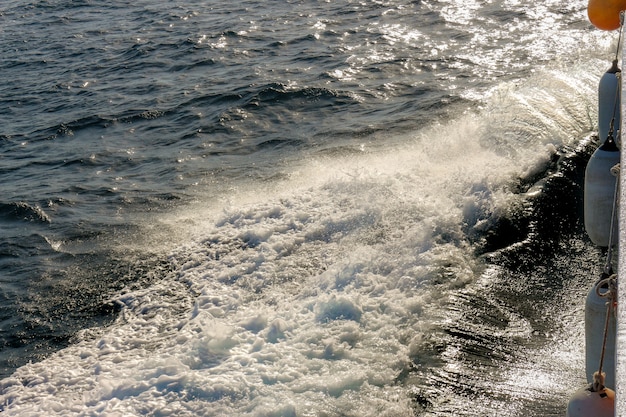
[[620, 372]]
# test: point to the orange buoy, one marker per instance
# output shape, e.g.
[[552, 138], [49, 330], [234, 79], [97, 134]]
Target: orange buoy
[[604, 14]]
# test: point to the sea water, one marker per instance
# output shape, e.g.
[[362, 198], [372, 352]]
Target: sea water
[[301, 208]]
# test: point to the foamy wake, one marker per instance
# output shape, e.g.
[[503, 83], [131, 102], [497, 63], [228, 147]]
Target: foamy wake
[[309, 300]]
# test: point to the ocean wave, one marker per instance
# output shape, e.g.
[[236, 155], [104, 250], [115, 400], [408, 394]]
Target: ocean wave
[[22, 211]]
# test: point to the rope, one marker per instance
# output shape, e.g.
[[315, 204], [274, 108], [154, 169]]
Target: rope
[[615, 61], [619, 36], [608, 279], [615, 171]]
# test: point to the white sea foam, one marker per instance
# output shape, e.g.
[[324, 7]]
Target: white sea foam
[[311, 297]]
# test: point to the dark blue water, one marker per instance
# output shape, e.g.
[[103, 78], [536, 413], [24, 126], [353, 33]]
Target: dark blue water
[[162, 163]]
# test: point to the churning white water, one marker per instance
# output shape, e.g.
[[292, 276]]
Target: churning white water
[[312, 295]]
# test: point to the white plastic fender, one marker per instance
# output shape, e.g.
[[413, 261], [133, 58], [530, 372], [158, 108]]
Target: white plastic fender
[[586, 403], [599, 193], [595, 321], [609, 102]]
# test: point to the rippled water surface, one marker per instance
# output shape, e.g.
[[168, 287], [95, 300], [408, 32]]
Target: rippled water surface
[[295, 208]]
